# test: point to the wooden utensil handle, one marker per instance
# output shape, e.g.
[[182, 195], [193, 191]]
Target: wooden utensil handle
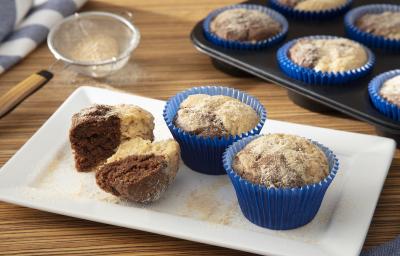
[[21, 91]]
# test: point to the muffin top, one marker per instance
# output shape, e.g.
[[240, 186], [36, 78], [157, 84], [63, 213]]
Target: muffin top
[[328, 55], [391, 90], [386, 24], [243, 24], [281, 161], [215, 116], [313, 5]]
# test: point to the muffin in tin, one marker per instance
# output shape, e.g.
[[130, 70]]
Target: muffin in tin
[[311, 9], [280, 179], [245, 26], [325, 60], [206, 120], [384, 91], [375, 25], [385, 24]]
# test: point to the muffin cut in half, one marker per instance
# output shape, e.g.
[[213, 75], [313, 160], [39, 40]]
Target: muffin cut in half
[[97, 131]]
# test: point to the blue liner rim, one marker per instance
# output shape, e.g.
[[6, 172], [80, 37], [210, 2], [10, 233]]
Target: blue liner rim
[[233, 44], [370, 39], [384, 106], [300, 14], [205, 89], [287, 65]]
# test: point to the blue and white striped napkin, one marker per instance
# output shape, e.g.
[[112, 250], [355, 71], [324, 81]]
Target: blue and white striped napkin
[[24, 24]]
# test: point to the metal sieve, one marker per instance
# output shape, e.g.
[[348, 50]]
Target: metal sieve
[[94, 44]]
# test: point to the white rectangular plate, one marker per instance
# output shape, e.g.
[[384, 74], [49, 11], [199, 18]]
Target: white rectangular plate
[[198, 207]]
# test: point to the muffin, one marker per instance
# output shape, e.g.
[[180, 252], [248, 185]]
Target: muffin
[[280, 179], [325, 60], [313, 5], [375, 25], [385, 24], [384, 91], [245, 26], [140, 170], [328, 55], [215, 116], [97, 131], [311, 9], [281, 161], [206, 120]]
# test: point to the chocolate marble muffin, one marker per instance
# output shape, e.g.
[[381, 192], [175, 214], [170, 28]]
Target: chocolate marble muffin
[[313, 5], [386, 24], [281, 161], [215, 116], [390, 90], [328, 55], [140, 170], [244, 25], [97, 131]]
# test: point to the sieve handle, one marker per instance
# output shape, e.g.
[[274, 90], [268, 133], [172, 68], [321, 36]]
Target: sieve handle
[[22, 90]]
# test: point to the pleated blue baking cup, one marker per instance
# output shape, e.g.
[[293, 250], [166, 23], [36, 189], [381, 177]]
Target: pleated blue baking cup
[[311, 76], [278, 208], [370, 39], [310, 15], [204, 154], [384, 106], [239, 45]]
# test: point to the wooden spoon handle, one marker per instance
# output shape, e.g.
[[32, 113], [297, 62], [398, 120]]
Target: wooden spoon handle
[[22, 90]]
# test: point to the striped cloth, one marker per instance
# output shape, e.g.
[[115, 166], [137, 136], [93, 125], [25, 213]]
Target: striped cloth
[[24, 24]]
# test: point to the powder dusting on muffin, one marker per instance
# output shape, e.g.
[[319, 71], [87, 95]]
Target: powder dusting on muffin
[[386, 24], [218, 116], [313, 5], [245, 25], [328, 55], [281, 161], [391, 90]]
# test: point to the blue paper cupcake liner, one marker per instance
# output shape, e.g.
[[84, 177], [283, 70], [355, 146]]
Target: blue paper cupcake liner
[[311, 76], [369, 39], [233, 44], [310, 15], [385, 107], [278, 208], [204, 154]]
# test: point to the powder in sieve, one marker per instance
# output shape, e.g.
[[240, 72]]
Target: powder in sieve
[[94, 48]]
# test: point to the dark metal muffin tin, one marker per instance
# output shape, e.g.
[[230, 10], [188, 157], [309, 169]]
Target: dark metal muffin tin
[[351, 99]]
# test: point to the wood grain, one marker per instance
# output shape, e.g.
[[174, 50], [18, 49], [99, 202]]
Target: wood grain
[[165, 63]]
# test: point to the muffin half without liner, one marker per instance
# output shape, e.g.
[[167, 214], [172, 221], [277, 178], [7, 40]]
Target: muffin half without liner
[[204, 154], [311, 76], [278, 208], [384, 106], [310, 15], [369, 39], [234, 44]]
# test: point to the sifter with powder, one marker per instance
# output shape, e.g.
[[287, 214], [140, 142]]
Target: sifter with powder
[[94, 44]]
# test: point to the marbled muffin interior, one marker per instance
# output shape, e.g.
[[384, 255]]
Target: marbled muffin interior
[[97, 131], [281, 161], [215, 116], [386, 24], [328, 55], [390, 90], [313, 5], [243, 24], [140, 170]]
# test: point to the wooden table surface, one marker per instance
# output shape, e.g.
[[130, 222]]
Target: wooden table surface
[[165, 63]]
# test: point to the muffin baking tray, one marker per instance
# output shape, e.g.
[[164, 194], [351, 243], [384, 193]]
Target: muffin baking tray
[[198, 207], [351, 99]]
